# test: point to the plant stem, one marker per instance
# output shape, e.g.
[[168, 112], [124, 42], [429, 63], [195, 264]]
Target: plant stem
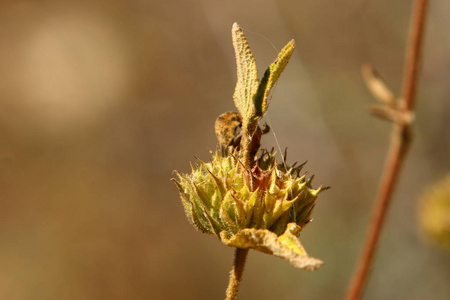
[[413, 52], [399, 146], [240, 257]]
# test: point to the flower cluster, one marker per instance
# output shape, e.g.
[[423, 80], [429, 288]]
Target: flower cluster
[[249, 200], [247, 208]]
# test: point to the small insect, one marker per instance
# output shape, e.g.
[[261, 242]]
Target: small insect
[[229, 131]]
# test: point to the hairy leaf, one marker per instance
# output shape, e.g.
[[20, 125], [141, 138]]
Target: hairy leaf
[[247, 74], [270, 78]]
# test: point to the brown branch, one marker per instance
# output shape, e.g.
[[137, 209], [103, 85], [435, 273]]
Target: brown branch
[[413, 53], [240, 257], [400, 142]]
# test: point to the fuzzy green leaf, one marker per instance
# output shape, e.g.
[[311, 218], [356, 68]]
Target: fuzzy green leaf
[[247, 74], [270, 78]]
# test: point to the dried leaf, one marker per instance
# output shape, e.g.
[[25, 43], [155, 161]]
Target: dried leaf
[[384, 112], [286, 246], [377, 86]]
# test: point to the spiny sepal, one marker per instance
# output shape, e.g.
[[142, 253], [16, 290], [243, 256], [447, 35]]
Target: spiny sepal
[[220, 199]]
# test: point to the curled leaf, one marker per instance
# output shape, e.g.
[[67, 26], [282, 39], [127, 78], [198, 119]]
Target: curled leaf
[[286, 246], [270, 77]]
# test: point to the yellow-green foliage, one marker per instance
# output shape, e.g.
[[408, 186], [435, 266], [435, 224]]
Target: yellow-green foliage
[[434, 212]]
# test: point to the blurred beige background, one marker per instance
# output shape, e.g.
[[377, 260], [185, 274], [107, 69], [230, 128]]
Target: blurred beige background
[[102, 100]]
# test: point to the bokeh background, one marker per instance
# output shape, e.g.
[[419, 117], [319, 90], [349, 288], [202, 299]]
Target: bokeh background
[[102, 100]]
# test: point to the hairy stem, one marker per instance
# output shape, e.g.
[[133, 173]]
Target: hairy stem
[[400, 143], [250, 142], [240, 257]]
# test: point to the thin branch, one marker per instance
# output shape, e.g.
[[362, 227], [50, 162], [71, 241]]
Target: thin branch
[[240, 257], [399, 146], [413, 53]]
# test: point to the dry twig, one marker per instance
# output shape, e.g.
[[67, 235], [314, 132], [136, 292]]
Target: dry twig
[[400, 143]]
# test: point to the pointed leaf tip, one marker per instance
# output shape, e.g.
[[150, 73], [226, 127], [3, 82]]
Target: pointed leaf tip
[[271, 76], [247, 74], [286, 246]]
